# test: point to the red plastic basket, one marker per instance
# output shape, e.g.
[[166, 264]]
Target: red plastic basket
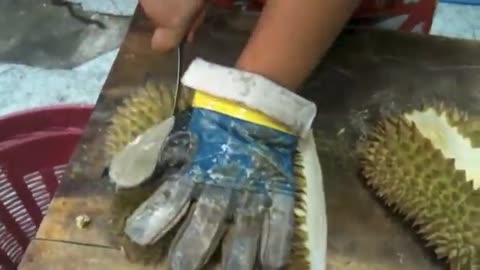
[[35, 147]]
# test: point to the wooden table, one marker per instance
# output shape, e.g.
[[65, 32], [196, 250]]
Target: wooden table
[[365, 75]]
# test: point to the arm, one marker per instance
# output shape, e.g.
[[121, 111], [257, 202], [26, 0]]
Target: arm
[[290, 38]]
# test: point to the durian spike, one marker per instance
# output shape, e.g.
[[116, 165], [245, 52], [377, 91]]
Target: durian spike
[[415, 168], [144, 108], [471, 129], [300, 254], [310, 237], [465, 264], [147, 106], [141, 111]]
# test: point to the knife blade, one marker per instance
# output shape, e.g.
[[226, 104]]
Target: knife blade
[[177, 92]]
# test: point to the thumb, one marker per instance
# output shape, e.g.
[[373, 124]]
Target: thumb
[[165, 39]]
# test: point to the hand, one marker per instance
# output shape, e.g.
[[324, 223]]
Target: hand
[[229, 182], [242, 172], [174, 19]]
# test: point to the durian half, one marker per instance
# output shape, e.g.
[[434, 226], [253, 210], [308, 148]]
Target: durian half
[[144, 108], [425, 165], [153, 104]]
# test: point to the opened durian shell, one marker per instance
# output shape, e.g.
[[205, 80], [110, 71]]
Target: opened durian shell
[[310, 239], [146, 107], [151, 105], [425, 165]]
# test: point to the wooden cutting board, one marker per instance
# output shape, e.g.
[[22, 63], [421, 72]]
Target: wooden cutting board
[[366, 74]]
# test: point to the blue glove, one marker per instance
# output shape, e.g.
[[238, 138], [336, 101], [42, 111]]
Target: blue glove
[[234, 190]]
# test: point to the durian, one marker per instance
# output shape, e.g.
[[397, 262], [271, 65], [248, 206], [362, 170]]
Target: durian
[[144, 108], [310, 235], [424, 164], [147, 106], [150, 106]]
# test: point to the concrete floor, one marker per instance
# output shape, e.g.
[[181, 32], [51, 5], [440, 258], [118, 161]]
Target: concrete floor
[[47, 57], [457, 21], [37, 33]]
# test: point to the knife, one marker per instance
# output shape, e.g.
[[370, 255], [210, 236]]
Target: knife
[[177, 92]]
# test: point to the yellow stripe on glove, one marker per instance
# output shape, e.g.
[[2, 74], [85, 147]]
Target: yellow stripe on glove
[[236, 110]]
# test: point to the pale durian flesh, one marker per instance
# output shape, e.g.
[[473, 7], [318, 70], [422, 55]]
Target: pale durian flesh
[[423, 164], [146, 107], [137, 161], [151, 106]]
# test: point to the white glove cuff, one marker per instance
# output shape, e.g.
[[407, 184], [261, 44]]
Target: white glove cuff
[[254, 91]]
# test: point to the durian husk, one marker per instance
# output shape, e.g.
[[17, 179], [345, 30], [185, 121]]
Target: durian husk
[[153, 104], [144, 108], [414, 177], [310, 235], [468, 126], [300, 250]]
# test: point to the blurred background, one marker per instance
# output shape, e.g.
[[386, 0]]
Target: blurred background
[[52, 52]]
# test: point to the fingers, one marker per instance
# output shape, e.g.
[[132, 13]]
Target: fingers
[[171, 13], [153, 10], [160, 212], [165, 39], [197, 241], [177, 153], [240, 247], [277, 232], [174, 20]]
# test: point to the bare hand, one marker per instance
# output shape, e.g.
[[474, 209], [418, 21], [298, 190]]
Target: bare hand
[[174, 19]]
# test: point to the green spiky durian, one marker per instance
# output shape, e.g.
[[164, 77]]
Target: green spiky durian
[[425, 165], [151, 105]]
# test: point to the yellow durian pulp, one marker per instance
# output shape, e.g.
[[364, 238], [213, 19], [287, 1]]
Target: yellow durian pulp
[[153, 104], [424, 164]]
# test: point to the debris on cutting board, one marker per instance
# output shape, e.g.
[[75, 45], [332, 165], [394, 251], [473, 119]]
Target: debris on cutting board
[[82, 221]]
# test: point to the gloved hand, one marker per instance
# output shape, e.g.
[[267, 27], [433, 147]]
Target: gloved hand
[[236, 179]]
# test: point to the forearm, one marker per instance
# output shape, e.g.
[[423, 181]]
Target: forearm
[[292, 36]]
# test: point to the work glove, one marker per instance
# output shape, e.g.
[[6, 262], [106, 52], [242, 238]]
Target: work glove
[[228, 179]]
